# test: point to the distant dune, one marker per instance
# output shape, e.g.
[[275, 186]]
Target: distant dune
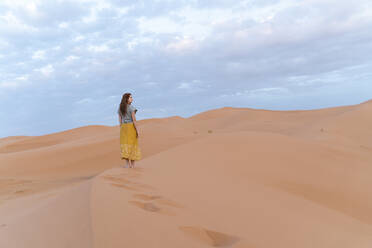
[[229, 177]]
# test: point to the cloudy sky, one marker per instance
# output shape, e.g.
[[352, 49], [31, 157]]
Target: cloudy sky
[[65, 64]]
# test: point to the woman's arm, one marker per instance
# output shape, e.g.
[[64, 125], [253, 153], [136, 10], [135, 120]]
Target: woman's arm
[[134, 121], [120, 119]]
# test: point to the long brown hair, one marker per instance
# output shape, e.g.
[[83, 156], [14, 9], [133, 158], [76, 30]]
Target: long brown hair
[[123, 103]]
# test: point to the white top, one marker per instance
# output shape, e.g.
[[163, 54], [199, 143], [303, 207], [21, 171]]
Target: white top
[[128, 116]]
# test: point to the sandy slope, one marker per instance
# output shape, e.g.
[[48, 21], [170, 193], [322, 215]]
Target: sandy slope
[[230, 177]]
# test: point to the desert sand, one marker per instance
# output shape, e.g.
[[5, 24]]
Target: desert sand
[[229, 177]]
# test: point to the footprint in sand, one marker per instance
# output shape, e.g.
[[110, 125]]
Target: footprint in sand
[[125, 187], [148, 206], [116, 179], [146, 197], [209, 237], [21, 191], [158, 199], [151, 207], [122, 182], [127, 183], [170, 203]]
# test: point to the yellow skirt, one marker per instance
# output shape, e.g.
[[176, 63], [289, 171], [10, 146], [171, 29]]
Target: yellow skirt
[[129, 142]]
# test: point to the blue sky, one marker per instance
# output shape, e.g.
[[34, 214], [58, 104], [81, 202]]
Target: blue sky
[[66, 64]]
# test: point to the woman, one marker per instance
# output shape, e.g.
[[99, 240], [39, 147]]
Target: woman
[[128, 131]]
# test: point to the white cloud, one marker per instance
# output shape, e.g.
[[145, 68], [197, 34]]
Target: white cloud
[[29, 6], [134, 42], [260, 92], [46, 70], [158, 25], [11, 23], [94, 11], [3, 43], [39, 54], [10, 85], [124, 10], [79, 38], [84, 101], [193, 86], [23, 78], [270, 90], [98, 48], [181, 45], [184, 86], [63, 25], [71, 58], [150, 84]]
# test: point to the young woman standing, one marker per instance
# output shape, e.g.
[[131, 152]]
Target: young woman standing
[[128, 131]]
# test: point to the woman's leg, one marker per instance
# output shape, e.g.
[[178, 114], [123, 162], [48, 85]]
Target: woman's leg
[[132, 162], [126, 164]]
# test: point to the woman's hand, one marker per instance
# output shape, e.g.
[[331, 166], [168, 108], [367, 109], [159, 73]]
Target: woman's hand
[[135, 128]]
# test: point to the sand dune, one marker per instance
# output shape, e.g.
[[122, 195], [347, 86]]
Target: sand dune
[[229, 177]]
